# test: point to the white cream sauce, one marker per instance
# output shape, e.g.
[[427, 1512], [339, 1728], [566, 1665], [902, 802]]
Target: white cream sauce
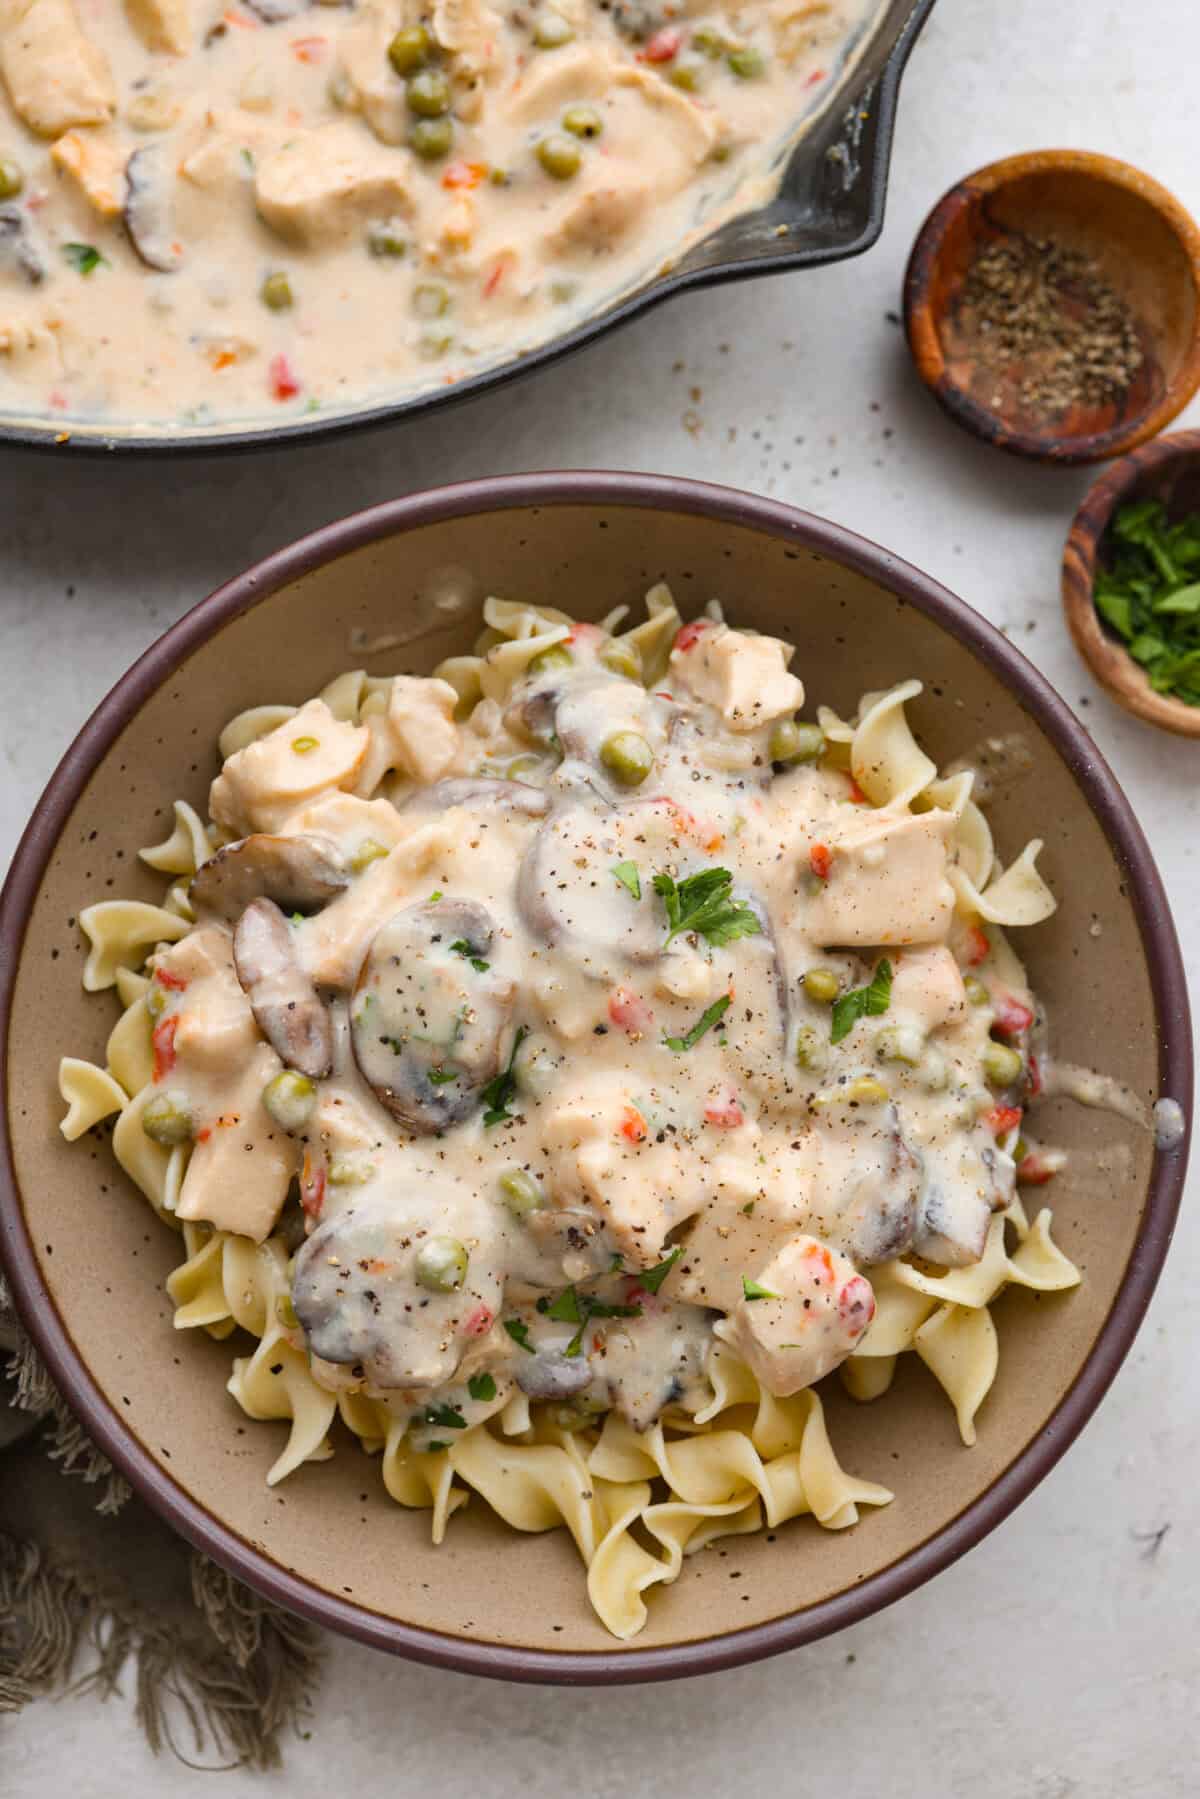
[[219, 213], [556, 1142]]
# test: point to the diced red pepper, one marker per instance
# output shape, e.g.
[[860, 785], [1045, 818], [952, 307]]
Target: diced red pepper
[[664, 45], [978, 946], [312, 1186], [1002, 1119], [463, 174], [309, 49], [818, 1253], [725, 1111], [1036, 1168], [494, 279], [820, 860], [688, 636], [165, 978], [162, 1042], [856, 1305], [584, 634], [203, 1135], [857, 796], [284, 382], [628, 1011], [478, 1322], [633, 1125], [817, 75], [1012, 1017]]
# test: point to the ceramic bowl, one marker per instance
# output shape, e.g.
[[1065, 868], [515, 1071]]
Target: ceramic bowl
[[1146, 247], [1168, 470], [87, 1260]]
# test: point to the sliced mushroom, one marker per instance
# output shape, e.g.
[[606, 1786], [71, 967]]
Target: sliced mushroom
[[964, 1188], [429, 1012], [877, 1218], [479, 792], [282, 998], [19, 247], [532, 716], [148, 221], [569, 897], [552, 1375], [359, 1296], [654, 1361], [299, 873]]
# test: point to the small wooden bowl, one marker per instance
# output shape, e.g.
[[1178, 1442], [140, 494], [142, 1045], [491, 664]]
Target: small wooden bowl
[[1145, 246], [1166, 470]]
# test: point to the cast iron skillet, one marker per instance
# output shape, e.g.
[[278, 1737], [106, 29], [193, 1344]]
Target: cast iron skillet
[[829, 206]]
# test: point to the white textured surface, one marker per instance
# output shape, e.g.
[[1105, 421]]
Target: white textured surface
[[1061, 1657]]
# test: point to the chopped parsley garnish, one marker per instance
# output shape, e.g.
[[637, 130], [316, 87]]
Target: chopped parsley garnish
[[653, 1278], [630, 879], [702, 903], [434, 897], [519, 1333], [446, 1416], [481, 1386], [441, 1077], [705, 1022], [565, 1309], [83, 258], [498, 1093], [862, 1002], [463, 948], [573, 1307], [752, 1290], [1147, 591]]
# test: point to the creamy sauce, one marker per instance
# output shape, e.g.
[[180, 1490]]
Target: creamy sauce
[[1170, 1125], [1088, 1088], [213, 213], [556, 1063]]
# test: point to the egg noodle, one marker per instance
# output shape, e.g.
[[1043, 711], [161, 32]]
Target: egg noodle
[[718, 1087]]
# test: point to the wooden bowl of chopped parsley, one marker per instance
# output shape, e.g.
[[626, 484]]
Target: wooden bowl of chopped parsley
[[1052, 305], [1131, 582]]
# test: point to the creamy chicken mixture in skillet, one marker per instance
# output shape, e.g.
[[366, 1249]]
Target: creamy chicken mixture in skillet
[[567, 1027], [211, 212]]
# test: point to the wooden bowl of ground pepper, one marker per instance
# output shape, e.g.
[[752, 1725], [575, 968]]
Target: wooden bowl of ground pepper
[[1131, 582], [1052, 305]]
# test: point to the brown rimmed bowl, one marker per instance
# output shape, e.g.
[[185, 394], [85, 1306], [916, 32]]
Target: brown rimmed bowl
[[1166, 470], [87, 1260], [1145, 246]]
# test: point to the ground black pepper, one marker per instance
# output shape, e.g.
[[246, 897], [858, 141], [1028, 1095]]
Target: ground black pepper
[[1044, 324]]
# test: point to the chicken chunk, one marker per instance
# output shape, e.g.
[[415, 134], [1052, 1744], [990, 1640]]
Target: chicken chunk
[[214, 1026], [884, 880], [320, 188], [743, 676], [807, 1308], [242, 1163], [366, 80], [56, 77], [417, 733], [310, 754], [162, 24], [95, 161], [927, 989]]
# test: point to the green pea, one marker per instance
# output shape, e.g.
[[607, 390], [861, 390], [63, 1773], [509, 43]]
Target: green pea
[[167, 1119], [582, 121], [822, 985], [304, 746], [896, 1044], [686, 73], [627, 757], [976, 992], [276, 292], [747, 63], [434, 344], [551, 31], [430, 139], [811, 1051], [430, 300], [867, 1091], [520, 1193], [386, 240], [367, 852], [156, 1000], [709, 41], [441, 1264], [559, 155], [555, 657], [622, 659], [793, 742], [428, 93], [350, 1171], [410, 49], [11, 178], [290, 1098], [1001, 1065]]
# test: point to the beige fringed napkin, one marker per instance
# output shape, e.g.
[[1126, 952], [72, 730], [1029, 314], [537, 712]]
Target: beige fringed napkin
[[91, 1579]]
